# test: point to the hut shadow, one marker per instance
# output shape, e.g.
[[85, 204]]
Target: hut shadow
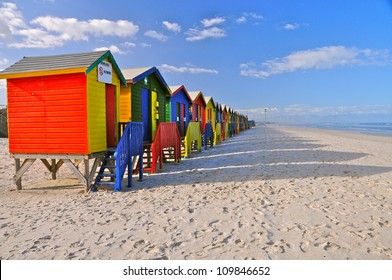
[[284, 157]]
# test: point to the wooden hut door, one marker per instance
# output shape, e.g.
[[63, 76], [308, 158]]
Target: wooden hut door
[[110, 115], [178, 117], [146, 114], [183, 119]]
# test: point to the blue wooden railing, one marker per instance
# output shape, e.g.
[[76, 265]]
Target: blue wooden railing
[[130, 144]]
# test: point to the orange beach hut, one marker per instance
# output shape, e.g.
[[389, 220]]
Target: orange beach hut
[[62, 109]]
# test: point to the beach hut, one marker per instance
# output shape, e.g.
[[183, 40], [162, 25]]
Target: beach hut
[[63, 109], [225, 129], [181, 104], [146, 99], [229, 124], [218, 126], [198, 108], [209, 131]]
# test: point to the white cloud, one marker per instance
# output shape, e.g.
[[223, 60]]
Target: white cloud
[[319, 58], [37, 38], [79, 30], [303, 113], [12, 16], [112, 48], [246, 16], [195, 34], [291, 26], [145, 45], [130, 44], [213, 21], [241, 19], [49, 31], [156, 35], [192, 70], [3, 61], [172, 26]]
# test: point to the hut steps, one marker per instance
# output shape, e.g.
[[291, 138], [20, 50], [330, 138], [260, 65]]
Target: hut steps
[[107, 173]]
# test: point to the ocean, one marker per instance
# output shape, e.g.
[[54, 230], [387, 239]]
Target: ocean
[[384, 128]]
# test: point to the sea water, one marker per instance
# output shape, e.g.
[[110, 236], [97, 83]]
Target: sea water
[[384, 128]]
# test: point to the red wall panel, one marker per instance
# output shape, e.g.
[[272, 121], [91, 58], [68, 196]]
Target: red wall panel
[[48, 114]]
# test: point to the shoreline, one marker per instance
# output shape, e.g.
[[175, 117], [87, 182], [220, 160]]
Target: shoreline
[[332, 129], [267, 193]]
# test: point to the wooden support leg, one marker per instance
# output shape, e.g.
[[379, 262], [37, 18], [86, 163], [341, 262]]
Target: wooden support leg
[[20, 170], [17, 167], [97, 161], [87, 174], [53, 169], [76, 171]]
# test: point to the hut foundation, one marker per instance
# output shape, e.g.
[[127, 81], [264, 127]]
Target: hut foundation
[[53, 164]]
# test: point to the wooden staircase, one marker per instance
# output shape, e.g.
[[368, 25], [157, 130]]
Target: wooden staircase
[[147, 157], [106, 177], [126, 156]]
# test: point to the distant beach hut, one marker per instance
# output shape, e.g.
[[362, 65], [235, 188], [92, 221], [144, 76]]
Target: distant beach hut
[[225, 125], [146, 99], [209, 131], [230, 129], [64, 108], [198, 108], [218, 126], [181, 104]]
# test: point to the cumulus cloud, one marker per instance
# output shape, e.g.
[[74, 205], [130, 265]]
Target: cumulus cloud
[[49, 31], [212, 21], [319, 58], [171, 26], [247, 16], [209, 30], [192, 70], [304, 113], [112, 48], [291, 26], [195, 34], [156, 35]]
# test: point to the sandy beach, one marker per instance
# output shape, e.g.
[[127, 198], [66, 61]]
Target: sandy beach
[[268, 193]]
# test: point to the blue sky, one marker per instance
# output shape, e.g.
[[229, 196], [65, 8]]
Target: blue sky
[[304, 60]]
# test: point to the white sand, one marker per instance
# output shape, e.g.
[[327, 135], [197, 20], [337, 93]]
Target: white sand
[[275, 193]]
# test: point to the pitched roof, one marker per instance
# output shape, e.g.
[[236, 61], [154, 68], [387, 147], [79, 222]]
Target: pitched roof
[[208, 99], [134, 75], [195, 94], [177, 89], [87, 60]]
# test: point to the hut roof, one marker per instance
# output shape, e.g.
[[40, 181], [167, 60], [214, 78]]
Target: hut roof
[[208, 99], [81, 61], [176, 89], [134, 75], [195, 94]]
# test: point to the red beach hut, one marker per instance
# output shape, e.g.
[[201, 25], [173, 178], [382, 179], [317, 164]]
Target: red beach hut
[[62, 109]]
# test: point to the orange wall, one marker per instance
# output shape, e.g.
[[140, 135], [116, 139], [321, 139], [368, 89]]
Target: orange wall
[[48, 114]]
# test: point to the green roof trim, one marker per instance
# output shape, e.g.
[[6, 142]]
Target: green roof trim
[[109, 55]]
